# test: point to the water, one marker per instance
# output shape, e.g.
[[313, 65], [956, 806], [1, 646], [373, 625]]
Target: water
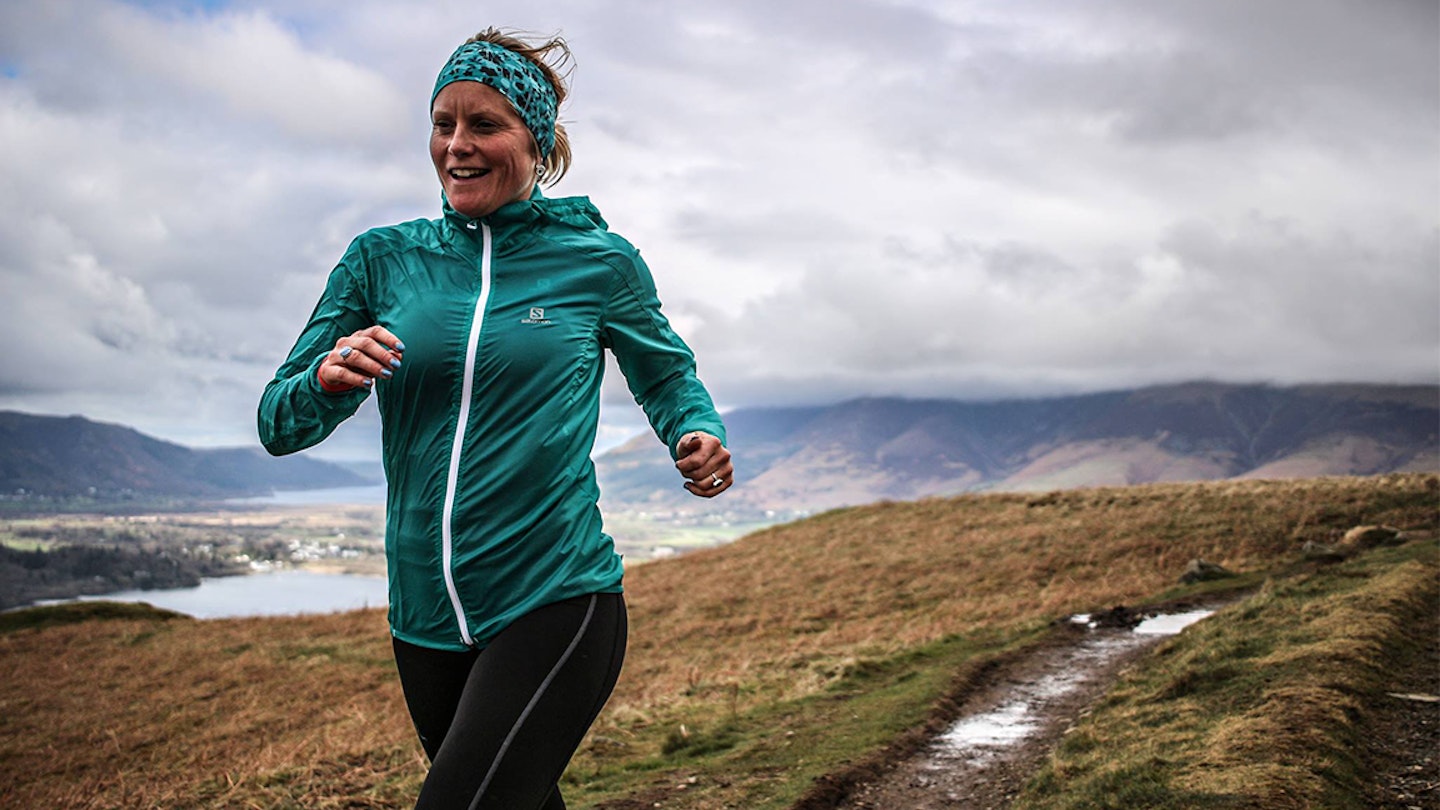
[[997, 728], [279, 593], [1170, 624], [372, 494]]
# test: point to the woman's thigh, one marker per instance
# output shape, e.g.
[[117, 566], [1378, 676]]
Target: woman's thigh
[[525, 705], [433, 681]]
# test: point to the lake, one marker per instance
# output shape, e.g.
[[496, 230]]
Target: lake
[[279, 593], [373, 494]]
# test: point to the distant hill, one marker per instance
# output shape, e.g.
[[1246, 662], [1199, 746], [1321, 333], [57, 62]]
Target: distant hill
[[69, 456], [864, 450]]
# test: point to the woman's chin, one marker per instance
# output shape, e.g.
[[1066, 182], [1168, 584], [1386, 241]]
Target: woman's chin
[[477, 203], [472, 208]]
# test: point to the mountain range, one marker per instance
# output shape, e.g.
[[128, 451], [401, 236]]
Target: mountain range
[[864, 450], [73, 456], [803, 459]]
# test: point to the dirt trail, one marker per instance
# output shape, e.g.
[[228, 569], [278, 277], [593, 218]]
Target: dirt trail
[[1006, 728]]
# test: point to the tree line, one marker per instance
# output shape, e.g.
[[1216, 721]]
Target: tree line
[[67, 571]]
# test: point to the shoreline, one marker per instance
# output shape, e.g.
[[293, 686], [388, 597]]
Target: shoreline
[[249, 594]]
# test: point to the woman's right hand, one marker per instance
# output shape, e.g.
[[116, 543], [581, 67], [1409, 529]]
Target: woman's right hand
[[360, 358]]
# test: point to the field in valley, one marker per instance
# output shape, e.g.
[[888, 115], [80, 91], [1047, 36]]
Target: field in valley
[[767, 672]]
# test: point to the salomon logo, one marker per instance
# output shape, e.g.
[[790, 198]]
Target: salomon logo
[[537, 317]]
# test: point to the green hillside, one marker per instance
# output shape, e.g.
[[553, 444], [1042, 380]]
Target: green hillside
[[770, 672]]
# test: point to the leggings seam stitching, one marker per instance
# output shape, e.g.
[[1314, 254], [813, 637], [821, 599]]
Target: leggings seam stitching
[[534, 699]]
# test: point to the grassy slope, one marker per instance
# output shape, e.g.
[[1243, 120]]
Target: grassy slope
[[1263, 708], [754, 669]]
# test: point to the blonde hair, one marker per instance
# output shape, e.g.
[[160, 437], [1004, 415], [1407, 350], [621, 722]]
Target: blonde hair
[[555, 61]]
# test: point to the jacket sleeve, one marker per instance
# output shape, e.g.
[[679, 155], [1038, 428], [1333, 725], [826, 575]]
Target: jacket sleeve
[[658, 367], [295, 412]]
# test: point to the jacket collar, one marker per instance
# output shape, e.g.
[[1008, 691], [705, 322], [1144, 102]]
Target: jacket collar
[[508, 217], [512, 222]]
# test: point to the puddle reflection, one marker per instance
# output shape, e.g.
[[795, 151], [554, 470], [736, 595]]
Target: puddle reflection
[[1169, 625]]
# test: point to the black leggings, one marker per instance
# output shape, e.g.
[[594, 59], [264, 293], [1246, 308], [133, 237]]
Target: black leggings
[[500, 724]]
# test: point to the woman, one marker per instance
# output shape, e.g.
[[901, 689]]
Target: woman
[[482, 335]]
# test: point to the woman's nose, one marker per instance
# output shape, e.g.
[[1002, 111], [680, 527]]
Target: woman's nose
[[460, 142]]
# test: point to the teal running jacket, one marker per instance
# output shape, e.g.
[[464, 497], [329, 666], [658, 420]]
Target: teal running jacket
[[489, 423]]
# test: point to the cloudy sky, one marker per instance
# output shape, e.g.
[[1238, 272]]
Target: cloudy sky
[[972, 198]]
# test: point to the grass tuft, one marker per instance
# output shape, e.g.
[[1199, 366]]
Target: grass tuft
[[37, 618]]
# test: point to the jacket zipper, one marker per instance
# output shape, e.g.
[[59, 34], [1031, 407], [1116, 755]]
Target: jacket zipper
[[472, 348]]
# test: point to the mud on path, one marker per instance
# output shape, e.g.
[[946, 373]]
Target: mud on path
[[1007, 726], [985, 741]]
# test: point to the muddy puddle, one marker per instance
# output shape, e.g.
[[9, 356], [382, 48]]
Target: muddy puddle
[[984, 757], [976, 738]]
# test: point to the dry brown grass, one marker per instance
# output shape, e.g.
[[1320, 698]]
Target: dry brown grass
[[869, 581], [184, 713], [307, 712]]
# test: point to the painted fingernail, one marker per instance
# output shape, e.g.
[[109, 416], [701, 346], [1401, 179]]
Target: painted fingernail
[[385, 372], [399, 347], [368, 382], [395, 362], [345, 351]]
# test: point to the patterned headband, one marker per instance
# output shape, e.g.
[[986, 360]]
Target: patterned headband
[[515, 77]]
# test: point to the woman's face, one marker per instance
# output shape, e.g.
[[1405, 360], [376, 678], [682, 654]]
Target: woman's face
[[483, 153]]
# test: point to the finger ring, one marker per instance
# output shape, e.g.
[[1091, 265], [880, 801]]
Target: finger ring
[[345, 352], [716, 480]]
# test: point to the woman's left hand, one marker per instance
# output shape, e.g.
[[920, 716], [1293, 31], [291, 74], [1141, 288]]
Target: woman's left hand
[[706, 463]]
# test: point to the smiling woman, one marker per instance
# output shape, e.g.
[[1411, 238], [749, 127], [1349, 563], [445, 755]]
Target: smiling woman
[[483, 334], [494, 133]]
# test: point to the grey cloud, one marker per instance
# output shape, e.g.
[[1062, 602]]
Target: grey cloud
[[1257, 303], [1332, 296], [837, 199], [203, 73], [768, 230], [1193, 72]]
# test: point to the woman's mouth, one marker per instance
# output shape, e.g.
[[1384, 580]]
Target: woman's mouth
[[468, 174]]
